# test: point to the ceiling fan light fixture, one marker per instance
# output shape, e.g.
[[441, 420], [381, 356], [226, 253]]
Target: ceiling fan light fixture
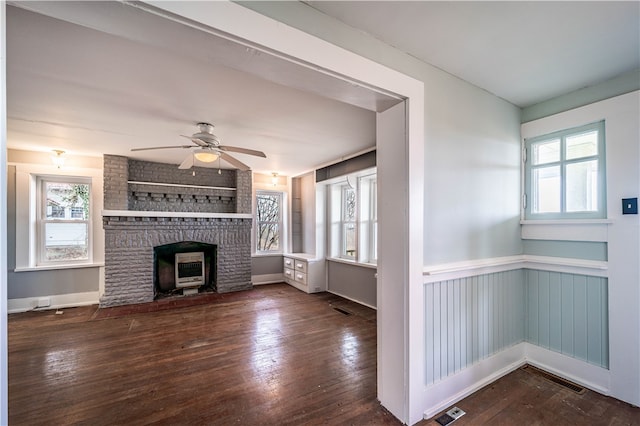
[[206, 155]]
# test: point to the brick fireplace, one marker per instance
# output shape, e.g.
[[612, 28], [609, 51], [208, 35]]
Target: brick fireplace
[[152, 204]]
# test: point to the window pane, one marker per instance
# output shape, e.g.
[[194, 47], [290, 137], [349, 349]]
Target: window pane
[[546, 189], [584, 145], [268, 237], [349, 238], [66, 241], [545, 152], [348, 204], [582, 186], [374, 242], [268, 208], [67, 200]]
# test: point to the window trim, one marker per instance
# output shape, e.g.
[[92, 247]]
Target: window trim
[[562, 135], [26, 198], [280, 223]]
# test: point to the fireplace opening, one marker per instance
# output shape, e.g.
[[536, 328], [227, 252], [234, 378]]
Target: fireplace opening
[[186, 267]]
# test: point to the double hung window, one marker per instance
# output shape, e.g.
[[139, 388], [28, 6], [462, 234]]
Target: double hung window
[[63, 220], [268, 222], [353, 217]]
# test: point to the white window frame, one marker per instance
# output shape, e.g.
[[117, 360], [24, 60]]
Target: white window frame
[[26, 215], [42, 221], [280, 222], [601, 212], [364, 185]]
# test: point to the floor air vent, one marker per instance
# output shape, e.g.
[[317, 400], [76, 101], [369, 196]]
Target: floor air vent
[[342, 311], [555, 379]]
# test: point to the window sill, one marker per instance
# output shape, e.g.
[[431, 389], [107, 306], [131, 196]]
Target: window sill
[[353, 262], [591, 230], [57, 267], [274, 254], [565, 221]]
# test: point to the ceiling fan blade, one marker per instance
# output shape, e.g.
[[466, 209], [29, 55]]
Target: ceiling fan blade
[[197, 141], [161, 147], [234, 162], [187, 163], [242, 150]]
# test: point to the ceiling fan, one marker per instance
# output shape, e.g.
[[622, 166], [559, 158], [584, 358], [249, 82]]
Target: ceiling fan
[[209, 150]]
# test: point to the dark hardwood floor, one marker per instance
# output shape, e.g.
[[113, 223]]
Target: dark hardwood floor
[[269, 356]]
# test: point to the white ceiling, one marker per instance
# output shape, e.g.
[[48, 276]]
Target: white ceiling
[[128, 79], [104, 77], [522, 51]]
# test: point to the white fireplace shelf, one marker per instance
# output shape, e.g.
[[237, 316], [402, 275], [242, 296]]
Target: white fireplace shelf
[[177, 185], [141, 213]]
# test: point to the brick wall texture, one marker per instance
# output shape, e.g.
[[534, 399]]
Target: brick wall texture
[[116, 175], [129, 241]]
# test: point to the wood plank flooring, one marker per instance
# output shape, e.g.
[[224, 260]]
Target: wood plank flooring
[[269, 356]]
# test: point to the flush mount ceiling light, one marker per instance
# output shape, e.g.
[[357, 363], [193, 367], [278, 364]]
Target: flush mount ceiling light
[[206, 155], [58, 158]]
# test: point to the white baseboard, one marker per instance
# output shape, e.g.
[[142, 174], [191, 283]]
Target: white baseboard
[[57, 301], [454, 388], [588, 375], [267, 279]]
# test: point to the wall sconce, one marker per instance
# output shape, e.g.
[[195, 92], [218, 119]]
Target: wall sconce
[[58, 158], [274, 179]]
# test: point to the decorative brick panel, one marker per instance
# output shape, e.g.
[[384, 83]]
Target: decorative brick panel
[[244, 195], [116, 175], [129, 243]]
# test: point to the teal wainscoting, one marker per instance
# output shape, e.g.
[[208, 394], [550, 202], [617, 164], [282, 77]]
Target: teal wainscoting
[[568, 313], [472, 318]]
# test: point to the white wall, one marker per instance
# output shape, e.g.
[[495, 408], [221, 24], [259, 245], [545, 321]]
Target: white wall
[[622, 132], [472, 146]]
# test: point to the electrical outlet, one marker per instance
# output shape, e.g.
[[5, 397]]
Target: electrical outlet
[[43, 302]]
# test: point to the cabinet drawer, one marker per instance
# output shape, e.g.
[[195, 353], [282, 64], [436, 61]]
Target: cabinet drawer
[[301, 266], [288, 262], [300, 277], [289, 274]]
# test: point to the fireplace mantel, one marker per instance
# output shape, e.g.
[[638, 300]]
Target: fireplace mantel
[[144, 213]]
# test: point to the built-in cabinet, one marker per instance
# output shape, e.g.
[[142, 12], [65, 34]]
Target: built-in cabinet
[[305, 272]]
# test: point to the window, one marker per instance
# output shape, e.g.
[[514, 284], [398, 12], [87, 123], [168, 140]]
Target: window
[[373, 221], [353, 218], [268, 221], [565, 174], [63, 226], [348, 223]]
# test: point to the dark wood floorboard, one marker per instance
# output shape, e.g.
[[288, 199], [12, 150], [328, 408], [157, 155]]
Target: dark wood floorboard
[[269, 356]]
